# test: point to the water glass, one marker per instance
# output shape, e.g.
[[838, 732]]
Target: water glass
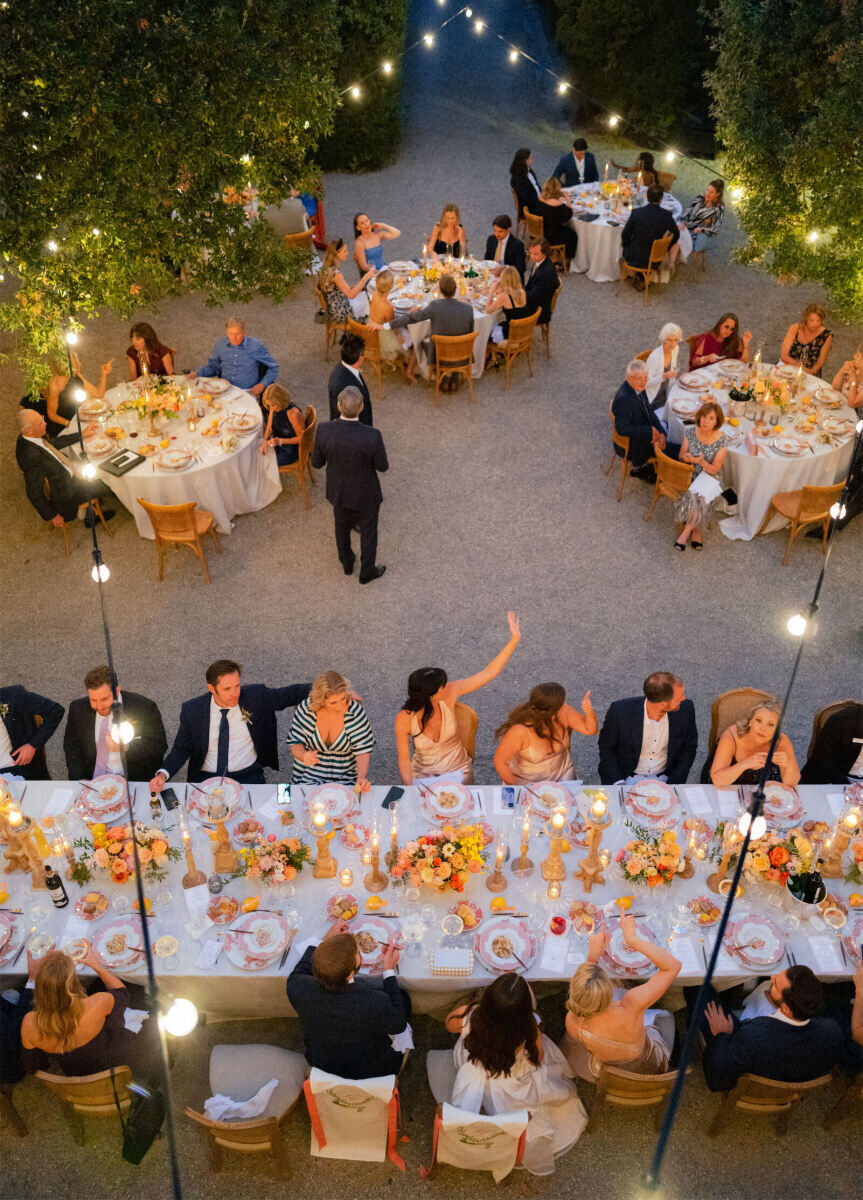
[[412, 896], [427, 914]]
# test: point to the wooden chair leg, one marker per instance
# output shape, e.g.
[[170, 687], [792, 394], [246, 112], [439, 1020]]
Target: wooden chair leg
[[436, 383], [624, 464], [199, 550], [215, 538], [65, 533], [653, 501], [508, 361], [791, 536], [380, 381], [214, 1151], [824, 538], [849, 1100], [161, 551], [470, 385], [530, 359], [767, 519], [781, 1123], [10, 1113], [719, 1118], [606, 470], [97, 506], [302, 481]]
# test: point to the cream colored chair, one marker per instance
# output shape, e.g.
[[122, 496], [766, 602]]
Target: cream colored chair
[[626, 1089], [545, 327], [355, 1119], [466, 722]]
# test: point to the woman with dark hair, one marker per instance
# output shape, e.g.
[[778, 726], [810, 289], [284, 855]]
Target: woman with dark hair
[[146, 347], [523, 182], [807, 341], [504, 1064], [643, 165], [428, 716], [368, 251], [534, 739], [724, 340], [702, 218], [705, 446]]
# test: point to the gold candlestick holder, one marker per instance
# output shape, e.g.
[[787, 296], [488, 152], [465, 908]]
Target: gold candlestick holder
[[392, 855], [325, 865], [496, 882], [193, 877], [523, 863], [225, 860], [553, 866], [375, 881], [831, 862], [590, 869]]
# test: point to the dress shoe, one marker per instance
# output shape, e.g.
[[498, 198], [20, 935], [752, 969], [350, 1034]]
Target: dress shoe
[[376, 574], [91, 519], [350, 569], [647, 474]]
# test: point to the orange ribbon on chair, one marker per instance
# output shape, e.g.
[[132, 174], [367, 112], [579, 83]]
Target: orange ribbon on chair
[[394, 1117], [314, 1115]]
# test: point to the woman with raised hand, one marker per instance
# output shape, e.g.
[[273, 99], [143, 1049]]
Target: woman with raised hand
[[534, 739]]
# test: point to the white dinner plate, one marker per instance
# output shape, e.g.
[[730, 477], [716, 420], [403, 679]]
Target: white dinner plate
[[685, 406], [174, 460], [227, 791], [446, 801], [339, 799], [103, 797], [651, 798], [621, 959], [760, 942], [99, 447], [383, 932], [692, 381], [401, 266], [256, 939], [215, 387], [791, 447]]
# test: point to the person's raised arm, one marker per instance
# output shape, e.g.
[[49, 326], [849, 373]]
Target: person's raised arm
[[386, 232], [785, 352], [461, 687], [513, 740], [403, 746], [582, 722], [352, 292], [667, 967]]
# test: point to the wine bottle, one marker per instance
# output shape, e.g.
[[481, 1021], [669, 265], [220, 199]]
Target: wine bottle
[[54, 884], [813, 886]]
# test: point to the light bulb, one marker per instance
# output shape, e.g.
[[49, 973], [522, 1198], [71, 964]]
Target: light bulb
[[797, 625], [513, 56], [95, 231], [245, 158], [479, 26], [124, 732], [669, 156], [71, 338], [736, 193], [88, 471], [858, 428], [838, 511], [100, 573], [80, 395], [305, 125], [468, 12], [180, 1019], [813, 235], [355, 92], [24, 112], [759, 828], [743, 823], [561, 87], [37, 177], [52, 245], [428, 39], [613, 120], [387, 68]]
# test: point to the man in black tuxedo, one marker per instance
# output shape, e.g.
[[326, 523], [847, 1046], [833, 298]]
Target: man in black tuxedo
[[90, 749], [353, 455], [22, 740], [654, 736], [644, 226], [41, 462], [348, 1018], [230, 730], [634, 418], [578, 167], [541, 280], [504, 248], [347, 374], [837, 756]]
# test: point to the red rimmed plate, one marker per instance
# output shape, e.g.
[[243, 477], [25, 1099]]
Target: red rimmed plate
[[471, 907], [256, 939], [217, 790], [586, 917], [102, 798], [704, 911], [693, 381], [353, 836], [853, 937], [446, 801], [11, 936], [502, 938], [622, 959], [755, 940], [223, 909], [545, 797], [99, 901], [381, 932], [248, 831], [781, 802], [651, 798], [119, 943]]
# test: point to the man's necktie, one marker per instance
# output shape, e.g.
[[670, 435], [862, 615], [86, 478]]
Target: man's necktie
[[498, 254], [224, 737], [101, 767]]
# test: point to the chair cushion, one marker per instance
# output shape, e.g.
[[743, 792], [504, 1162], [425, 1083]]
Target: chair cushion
[[441, 1072], [241, 1071]]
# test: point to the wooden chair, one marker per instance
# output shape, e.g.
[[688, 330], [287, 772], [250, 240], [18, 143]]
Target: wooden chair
[[466, 722], [544, 328], [643, 356], [764, 1097], [372, 353], [665, 179], [180, 525], [307, 442], [332, 329], [536, 232], [658, 251], [64, 528], [520, 341], [89, 1095], [692, 341], [699, 261], [823, 715], [806, 506], [618, 439], [472, 1141], [300, 241], [453, 356], [730, 707], [851, 1098], [626, 1089], [672, 479], [10, 1114], [520, 223]]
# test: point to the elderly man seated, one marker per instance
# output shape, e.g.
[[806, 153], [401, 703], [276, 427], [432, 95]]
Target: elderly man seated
[[634, 418], [41, 462], [243, 361]]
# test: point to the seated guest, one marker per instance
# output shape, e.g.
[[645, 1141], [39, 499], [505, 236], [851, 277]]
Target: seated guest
[[396, 345], [577, 167], [244, 361], [146, 347], [642, 166], [348, 1019], [541, 280], [534, 739], [40, 461], [508, 296], [849, 379], [556, 216], [448, 238], [22, 739], [504, 1064], [808, 342], [230, 730], [449, 317], [643, 227], [654, 737], [428, 716], [837, 756], [347, 373], [635, 419], [705, 446], [793, 1045], [60, 402], [503, 247], [343, 303], [368, 251], [289, 215], [331, 738], [284, 425], [741, 751], [90, 749], [606, 1025], [524, 182], [662, 365], [724, 340], [702, 218]]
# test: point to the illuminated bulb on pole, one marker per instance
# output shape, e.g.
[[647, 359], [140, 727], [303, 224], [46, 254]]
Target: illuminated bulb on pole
[[180, 1019], [428, 38], [759, 826], [479, 26], [355, 92], [100, 573], [813, 236], [88, 471], [124, 732], [838, 511], [513, 56], [797, 625], [468, 12], [52, 246], [95, 231], [71, 338], [387, 68], [669, 156], [561, 87], [613, 120], [80, 395]]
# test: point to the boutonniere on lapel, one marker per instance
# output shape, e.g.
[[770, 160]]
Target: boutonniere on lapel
[[246, 715], [4, 710]]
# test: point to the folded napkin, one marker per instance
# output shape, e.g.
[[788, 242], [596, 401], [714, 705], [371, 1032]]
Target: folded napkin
[[208, 954], [554, 955], [58, 802], [404, 1040], [134, 1018], [223, 1108], [430, 780]]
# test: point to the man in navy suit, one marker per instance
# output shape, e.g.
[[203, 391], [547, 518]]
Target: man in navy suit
[[654, 736], [347, 374], [644, 227], [635, 419], [22, 740], [231, 730], [837, 756], [503, 247], [577, 167], [353, 455], [541, 280]]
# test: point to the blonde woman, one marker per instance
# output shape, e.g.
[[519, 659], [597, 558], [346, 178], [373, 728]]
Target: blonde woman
[[448, 237], [284, 425], [605, 1024], [331, 738], [556, 216], [741, 752], [60, 403], [342, 302], [396, 345]]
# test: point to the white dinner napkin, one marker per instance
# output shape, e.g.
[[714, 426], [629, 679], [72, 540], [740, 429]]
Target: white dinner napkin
[[208, 954], [404, 1040], [134, 1018], [707, 486], [554, 954], [223, 1108]]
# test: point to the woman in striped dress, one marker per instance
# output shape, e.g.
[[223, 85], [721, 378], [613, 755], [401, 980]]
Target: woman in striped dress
[[331, 738]]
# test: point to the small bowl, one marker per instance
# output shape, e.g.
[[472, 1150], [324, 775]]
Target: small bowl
[[452, 924]]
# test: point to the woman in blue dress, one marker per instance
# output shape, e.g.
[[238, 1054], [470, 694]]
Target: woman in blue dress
[[368, 251], [284, 426]]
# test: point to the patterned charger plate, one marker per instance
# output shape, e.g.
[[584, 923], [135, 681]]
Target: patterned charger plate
[[11, 937], [760, 942], [651, 798], [373, 934], [108, 798], [91, 906], [340, 801], [354, 837], [853, 937], [466, 909], [118, 943], [500, 940], [545, 797], [692, 381], [447, 801], [781, 801], [215, 387], [256, 939], [622, 959], [219, 791]]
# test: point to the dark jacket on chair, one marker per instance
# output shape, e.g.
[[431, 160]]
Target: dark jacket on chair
[[353, 454], [340, 378], [144, 753], [835, 750], [541, 286], [642, 229], [621, 737], [22, 707], [772, 1048]]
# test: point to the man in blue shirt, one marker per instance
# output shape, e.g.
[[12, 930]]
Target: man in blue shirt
[[243, 361]]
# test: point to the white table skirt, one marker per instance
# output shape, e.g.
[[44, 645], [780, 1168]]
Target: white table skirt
[[599, 244]]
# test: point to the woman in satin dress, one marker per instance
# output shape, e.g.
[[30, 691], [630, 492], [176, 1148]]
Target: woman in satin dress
[[534, 739]]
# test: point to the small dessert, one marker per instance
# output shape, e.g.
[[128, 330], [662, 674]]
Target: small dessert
[[501, 947], [704, 910], [584, 916], [558, 925], [447, 799], [467, 914]]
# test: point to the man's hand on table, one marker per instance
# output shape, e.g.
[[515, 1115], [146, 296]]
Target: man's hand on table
[[718, 1020], [157, 782]]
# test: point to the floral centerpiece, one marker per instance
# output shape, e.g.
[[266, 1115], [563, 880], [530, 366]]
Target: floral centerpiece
[[444, 859], [777, 855], [651, 858], [110, 849], [158, 399], [275, 860]]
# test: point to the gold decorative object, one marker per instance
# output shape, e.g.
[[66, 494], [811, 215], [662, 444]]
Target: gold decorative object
[[846, 828], [590, 869], [523, 863], [714, 880], [553, 866], [325, 865], [496, 882], [375, 881], [225, 860]]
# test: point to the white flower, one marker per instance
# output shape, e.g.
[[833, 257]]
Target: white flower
[[448, 850]]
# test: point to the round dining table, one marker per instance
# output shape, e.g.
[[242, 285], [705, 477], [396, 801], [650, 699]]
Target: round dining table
[[600, 228]]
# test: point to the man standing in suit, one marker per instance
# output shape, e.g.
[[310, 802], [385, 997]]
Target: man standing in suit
[[577, 167], [230, 730], [348, 1018], [22, 740], [643, 228], [353, 455], [541, 280], [837, 756], [653, 737], [40, 460], [634, 418], [449, 317], [504, 248], [87, 743], [347, 374]]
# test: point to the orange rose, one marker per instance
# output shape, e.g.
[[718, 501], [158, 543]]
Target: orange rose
[[779, 856], [773, 875], [293, 845], [158, 848], [474, 866], [290, 872], [654, 880]]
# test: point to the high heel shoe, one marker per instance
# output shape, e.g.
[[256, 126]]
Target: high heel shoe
[[681, 546], [697, 545]]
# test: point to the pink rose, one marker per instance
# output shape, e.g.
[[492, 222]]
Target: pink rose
[[474, 866], [271, 837], [100, 858], [619, 856]]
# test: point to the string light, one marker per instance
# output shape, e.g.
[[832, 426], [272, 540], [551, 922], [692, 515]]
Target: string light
[[52, 245], [387, 68], [669, 156], [797, 625], [71, 337], [513, 56], [180, 1019], [813, 236], [100, 573], [428, 38], [88, 471], [245, 158], [95, 231], [80, 394], [24, 112], [562, 86], [305, 125], [355, 92], [468, 12], [479, 26], [614, 120], [38, 176]]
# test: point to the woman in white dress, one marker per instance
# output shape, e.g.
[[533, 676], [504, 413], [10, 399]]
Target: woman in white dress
[[504, 1064], [662, 367], [534, 739]]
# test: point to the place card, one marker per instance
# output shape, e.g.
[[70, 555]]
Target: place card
[[268, 811], [691, 962], [828, 958], [836, 801], [59, 801], [698, 801], [728, 802], [555, 950]]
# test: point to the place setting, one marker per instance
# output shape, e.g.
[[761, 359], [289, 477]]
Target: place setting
[[443, 802], [651, 800], [105, 797], [621, 959], [505, 943]]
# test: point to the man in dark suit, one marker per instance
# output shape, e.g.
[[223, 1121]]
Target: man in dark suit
[[347, 374], [792, 1045], [88, 744], [654, 736], [22, 740], [353, 455], [578, 167], [231, 730], [348, 1018], [643, 228], [504, 248], [837, 756], [41, 462], [541, 280], [634, 418]]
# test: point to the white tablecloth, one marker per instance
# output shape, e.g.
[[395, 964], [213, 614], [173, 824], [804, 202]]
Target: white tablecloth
[[223, 484], [599, 243], [757, 478]]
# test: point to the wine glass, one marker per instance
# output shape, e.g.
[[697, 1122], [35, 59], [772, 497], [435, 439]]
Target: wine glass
[[413, 931]]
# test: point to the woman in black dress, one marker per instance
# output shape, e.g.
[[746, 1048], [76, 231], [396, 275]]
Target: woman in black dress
[[741, 752], [60, 403], [448, 238], [284, 427], [556, 216], [523, 182]]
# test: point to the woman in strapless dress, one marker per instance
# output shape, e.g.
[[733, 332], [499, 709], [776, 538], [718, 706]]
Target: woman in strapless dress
[[741, 751], [428, 717], [534, 739]]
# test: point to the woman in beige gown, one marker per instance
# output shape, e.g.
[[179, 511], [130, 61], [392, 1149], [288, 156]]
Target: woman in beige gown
[[428, 717], [534, 739]]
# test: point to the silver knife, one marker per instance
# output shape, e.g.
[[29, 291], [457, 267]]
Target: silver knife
[[21, 947]]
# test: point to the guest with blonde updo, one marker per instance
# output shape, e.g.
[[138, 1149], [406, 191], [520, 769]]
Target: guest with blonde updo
[[331, 738]]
